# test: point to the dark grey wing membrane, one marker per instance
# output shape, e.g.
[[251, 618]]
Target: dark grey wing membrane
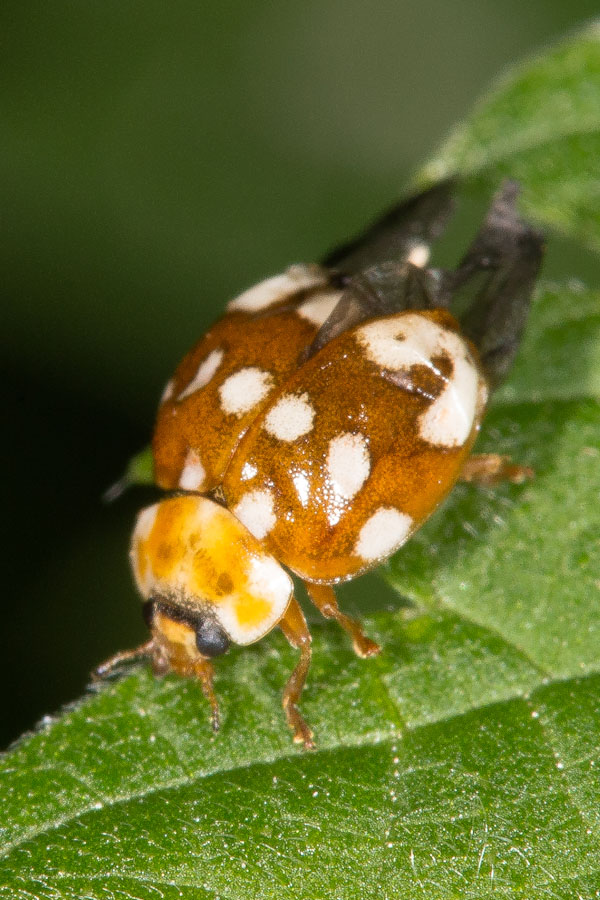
[[382, 290], [419, 220], [492, 284]]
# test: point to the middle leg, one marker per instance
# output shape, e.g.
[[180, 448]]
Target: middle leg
[[323, 596]]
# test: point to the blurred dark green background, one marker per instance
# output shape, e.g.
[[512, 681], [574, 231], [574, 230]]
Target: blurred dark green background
[[155, 159]]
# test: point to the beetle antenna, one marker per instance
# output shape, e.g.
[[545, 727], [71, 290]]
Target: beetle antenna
[[116, 490], [140, 470]]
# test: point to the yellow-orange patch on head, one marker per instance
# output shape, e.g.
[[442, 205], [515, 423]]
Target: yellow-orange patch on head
[[252, 612]]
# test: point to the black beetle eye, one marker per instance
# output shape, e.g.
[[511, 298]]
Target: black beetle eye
[[211, 640]]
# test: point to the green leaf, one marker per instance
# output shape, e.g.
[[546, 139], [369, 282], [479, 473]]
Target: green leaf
[[460, 763], [540, 125]]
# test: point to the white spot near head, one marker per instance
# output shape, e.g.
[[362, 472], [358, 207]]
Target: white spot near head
[[348, 463], [319, 308], [278, 288], [418, 255], [168, 392], [290, 418], [383, 532], [145, 522], [193, 473], [248, 471], [409, 339], [206, 371], [255, 511], [244, 390]]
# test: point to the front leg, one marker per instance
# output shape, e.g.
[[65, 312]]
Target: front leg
[[293, 624], [492, 468], [323, 596], [124, 658]]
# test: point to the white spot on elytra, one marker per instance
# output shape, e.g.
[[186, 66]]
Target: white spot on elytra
[[255, 511], [383, 532], [244, 390], [348, 463], [418, 255], [206, 371], [193, 473], [278, 288], [248, 471], [290, 418], [302, 485], [409, 339], [319, 308]]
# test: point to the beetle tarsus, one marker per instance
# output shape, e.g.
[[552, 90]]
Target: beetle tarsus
[[204, 670]]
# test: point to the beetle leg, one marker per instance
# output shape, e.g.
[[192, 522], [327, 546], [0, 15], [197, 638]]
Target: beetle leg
[[323, 596], [204, 671], [144, 651], [293, 624], [492, 468]]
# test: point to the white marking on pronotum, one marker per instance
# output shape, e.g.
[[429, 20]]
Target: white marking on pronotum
[[143, 526], [145, 522], [279, 287], [290, 417], [409, 339], [244, 390], [255, 511], [205, 372], [193, 473], [348, 463], [168, 392], [319, 308], [418, 255], [266, 580], [383, 532]]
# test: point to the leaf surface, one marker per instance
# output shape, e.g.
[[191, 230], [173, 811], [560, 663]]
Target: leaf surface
[[541, 125]]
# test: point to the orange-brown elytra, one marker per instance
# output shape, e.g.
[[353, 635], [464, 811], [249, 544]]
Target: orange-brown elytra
[[316, 426]]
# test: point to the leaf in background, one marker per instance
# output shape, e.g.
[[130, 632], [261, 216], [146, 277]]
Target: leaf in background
[[462, 762], [540, 125]]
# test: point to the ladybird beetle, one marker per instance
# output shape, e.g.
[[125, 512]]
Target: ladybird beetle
[[316, 426]]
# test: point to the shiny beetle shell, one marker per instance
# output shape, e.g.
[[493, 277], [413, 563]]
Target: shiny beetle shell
[[316, 426]]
